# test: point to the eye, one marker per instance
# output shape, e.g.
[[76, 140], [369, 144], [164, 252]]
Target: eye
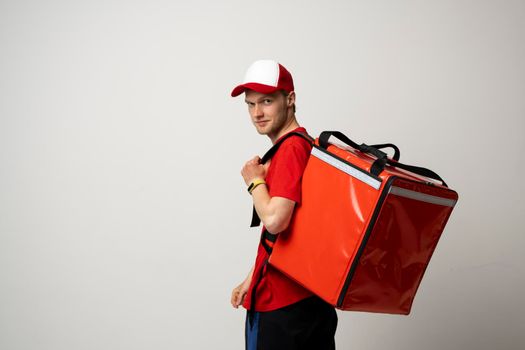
[[267, 101], [250, 104]]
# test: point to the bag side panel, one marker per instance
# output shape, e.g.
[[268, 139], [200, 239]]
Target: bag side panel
[[400, 246]]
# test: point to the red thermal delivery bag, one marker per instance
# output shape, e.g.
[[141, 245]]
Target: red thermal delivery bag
[[366, 228]]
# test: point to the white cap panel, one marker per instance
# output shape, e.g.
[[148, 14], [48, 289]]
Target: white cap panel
[[263, 72]]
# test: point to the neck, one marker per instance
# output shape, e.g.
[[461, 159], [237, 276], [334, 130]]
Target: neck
[[289, 126]]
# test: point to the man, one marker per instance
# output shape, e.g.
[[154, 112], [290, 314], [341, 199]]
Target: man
[[282, 314]]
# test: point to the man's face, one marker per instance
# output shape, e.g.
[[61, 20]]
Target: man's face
[[269, 112]]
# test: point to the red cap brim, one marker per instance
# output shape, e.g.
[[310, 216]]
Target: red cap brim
[[263, 89]]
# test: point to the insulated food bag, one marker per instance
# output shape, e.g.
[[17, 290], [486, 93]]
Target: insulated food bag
[[366, 228]]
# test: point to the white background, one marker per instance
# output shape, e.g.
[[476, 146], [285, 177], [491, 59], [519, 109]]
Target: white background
[[123, 215]]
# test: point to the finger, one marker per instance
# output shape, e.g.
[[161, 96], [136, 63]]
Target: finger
[[242, 299], [237, 301], [234, 299]]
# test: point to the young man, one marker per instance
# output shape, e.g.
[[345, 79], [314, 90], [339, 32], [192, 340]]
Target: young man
[[282, 314]]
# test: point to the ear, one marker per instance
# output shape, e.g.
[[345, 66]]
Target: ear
[[290, 99]]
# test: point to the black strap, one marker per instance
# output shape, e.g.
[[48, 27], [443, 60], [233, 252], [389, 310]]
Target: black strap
[[268, 237], [418, 170], [381, 160], [397, 153], [256, 221], [269, 154], [251, 311], [379, 164], [265, 236], [325, 135]]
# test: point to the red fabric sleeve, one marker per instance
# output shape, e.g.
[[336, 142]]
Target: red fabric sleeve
[[287, 167]]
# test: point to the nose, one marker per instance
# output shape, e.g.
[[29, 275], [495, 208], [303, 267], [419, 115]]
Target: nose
[[257, 111]]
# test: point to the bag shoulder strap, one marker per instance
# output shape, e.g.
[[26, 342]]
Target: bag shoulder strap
[[256, 221], [271, 152]]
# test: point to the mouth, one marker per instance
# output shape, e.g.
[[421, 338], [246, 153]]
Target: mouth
[[261, 122]]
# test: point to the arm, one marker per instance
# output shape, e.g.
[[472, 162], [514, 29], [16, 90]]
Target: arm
[[275, 212], [239, 292]]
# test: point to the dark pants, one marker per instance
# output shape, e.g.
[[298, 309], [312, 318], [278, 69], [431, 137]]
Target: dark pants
[[309, 324]]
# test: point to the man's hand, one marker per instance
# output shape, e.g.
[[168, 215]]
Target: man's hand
[[253, 169], [239, 293]]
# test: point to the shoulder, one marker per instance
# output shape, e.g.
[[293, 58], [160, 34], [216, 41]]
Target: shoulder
[[295, 143], [294, 149], [287, 167]]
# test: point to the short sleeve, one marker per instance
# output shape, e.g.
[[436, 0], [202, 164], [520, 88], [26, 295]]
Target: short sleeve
[[287, 168]]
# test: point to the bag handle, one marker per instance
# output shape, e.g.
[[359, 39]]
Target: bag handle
[[323, 142], [381, 161], [397, 153], [379, 164]]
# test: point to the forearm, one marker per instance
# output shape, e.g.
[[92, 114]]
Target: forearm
[[250, 274], [274, 212], [273, 215]]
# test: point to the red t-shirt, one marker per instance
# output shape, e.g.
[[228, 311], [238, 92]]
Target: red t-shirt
[[283, 179]]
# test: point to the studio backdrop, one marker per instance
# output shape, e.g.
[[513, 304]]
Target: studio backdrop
[[124, 220]]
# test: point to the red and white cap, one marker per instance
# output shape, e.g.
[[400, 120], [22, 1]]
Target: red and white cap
[[266, 77]]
